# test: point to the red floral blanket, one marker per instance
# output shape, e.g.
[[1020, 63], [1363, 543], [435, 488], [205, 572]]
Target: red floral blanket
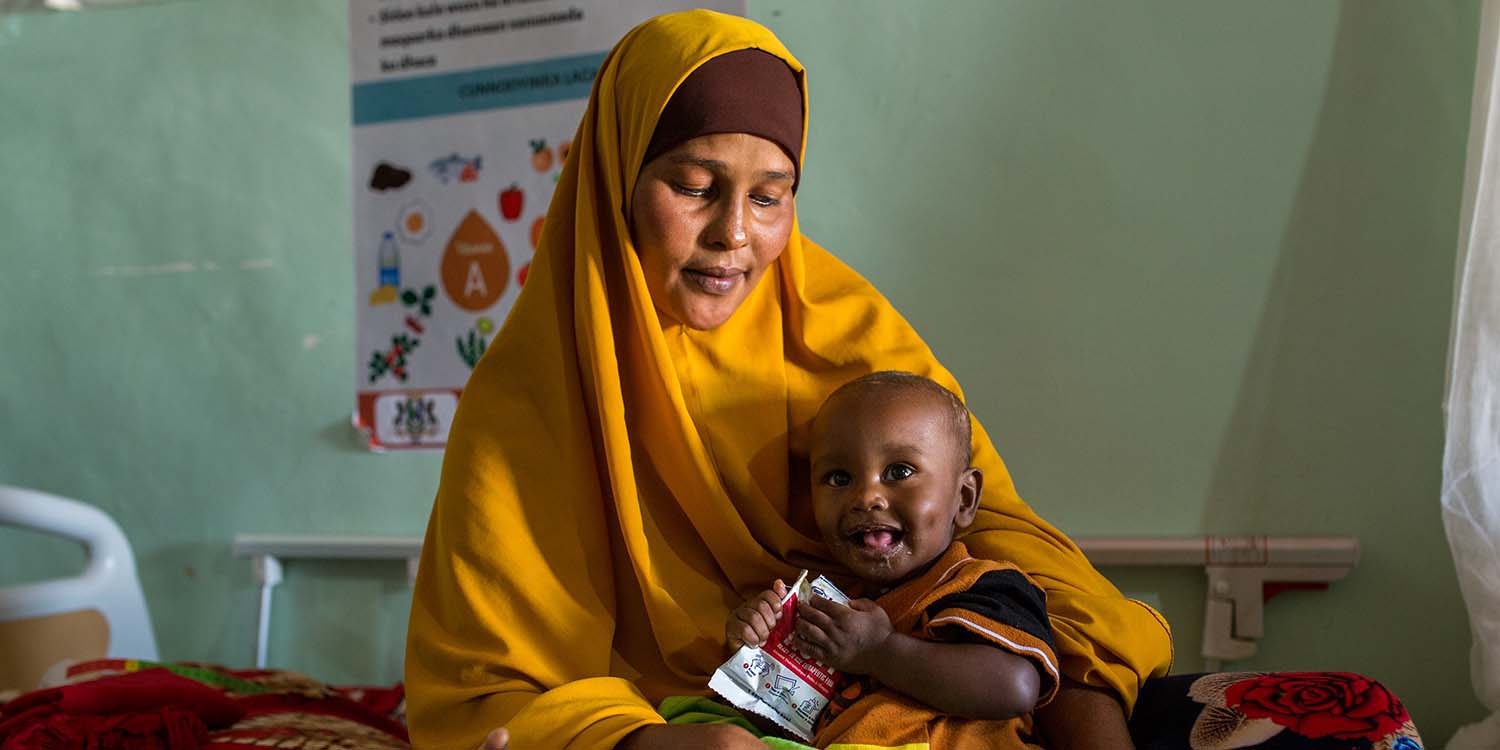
[[1271, 711], [131, 705]]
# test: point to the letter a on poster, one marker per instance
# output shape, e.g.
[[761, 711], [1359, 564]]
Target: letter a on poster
[[463, 111]]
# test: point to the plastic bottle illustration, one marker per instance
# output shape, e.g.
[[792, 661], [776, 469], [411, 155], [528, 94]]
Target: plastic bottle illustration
[[390, 261]]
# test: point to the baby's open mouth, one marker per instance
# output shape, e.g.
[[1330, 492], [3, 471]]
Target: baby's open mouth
[[876, 539]]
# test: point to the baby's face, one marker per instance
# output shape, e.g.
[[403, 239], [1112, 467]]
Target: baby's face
[[890, 486]]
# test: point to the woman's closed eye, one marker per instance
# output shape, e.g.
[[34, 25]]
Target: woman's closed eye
[[692, 191], [897, 472]]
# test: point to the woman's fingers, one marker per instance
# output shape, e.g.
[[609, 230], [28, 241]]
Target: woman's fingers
[[498, 739]]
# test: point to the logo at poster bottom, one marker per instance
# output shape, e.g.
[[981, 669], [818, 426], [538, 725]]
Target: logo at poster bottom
[[413, 419]]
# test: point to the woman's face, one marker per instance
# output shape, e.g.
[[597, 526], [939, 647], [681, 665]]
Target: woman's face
[[708, 218]]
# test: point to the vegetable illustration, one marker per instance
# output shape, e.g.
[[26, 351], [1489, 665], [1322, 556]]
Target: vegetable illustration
[[521, 275], [422, 301], [536, 230], [394, 360], [510, 202], [562, 150], [541, 156], [470, 349]]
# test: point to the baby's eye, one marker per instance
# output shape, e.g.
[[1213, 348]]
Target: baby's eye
[[897, 472], [837, 478]]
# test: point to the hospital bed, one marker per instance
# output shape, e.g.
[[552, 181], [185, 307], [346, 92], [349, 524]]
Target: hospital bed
[[89, 639]]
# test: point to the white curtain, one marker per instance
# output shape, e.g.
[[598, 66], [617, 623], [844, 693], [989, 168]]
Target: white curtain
[[1471, 405]]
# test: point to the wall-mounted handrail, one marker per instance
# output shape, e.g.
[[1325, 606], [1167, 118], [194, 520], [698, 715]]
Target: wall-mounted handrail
[[1243, 571]]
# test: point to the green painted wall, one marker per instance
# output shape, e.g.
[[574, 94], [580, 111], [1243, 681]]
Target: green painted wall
[[1192, 262]]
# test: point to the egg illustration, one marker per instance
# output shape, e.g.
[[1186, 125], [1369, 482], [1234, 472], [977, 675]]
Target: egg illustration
[[413, 222]]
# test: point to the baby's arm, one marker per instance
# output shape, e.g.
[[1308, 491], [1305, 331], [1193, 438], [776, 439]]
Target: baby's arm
[[962, 679], [751, 623]]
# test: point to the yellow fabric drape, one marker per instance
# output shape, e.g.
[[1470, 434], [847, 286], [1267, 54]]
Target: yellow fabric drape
[[612, 487]]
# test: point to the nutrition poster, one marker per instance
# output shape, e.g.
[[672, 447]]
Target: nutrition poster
[[463, 111]]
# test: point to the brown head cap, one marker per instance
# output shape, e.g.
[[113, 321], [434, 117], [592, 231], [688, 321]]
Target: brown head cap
[[745, 91]]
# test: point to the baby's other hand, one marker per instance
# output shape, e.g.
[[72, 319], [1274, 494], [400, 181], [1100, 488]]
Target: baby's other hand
[[751, 623], [846, 638]]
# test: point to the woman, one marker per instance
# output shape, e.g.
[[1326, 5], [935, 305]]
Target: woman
[[627, 461]]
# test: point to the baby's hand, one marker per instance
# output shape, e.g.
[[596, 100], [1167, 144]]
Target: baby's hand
[[844, 638], [751, 623]]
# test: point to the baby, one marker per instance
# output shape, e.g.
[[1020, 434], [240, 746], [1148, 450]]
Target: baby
[[943, 649]]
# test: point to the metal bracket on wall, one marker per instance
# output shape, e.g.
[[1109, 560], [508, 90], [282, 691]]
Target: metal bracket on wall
[[1243, 572]]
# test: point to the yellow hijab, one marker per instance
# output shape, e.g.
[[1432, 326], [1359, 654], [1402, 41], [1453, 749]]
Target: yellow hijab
[[612, 487]]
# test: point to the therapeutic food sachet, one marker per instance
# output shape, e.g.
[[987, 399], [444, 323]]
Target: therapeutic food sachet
[[773, 681]]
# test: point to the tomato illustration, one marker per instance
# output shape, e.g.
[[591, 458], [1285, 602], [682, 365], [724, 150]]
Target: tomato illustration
[[562, 150], [541, 156], [510, 202], [521, 275], [536, 230]]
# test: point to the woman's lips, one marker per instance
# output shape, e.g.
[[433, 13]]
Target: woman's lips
[[714, 280]]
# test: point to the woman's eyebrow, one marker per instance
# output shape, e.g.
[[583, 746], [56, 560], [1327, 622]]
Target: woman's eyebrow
[[715, 165], [698, 161]]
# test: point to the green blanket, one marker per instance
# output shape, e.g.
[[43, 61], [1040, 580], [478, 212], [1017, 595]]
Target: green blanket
[[692, 709]]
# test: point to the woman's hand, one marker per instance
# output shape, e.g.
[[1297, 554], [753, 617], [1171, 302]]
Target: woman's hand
[[499, 739], [751, 623], [845, 638], [690, 737], [1082, 717]]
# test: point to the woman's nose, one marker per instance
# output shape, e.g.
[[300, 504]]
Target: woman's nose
[[728, 230]]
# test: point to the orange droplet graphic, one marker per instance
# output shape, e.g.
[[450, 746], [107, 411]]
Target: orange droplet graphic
[[475, 267]]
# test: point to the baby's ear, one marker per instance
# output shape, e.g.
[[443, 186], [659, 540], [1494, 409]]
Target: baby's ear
[[970, 486]]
